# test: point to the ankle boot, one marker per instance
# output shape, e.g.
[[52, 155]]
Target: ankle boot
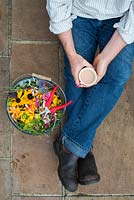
[[67, 169], [87, 170]]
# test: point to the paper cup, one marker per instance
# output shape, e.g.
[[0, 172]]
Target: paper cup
[[87, 76]]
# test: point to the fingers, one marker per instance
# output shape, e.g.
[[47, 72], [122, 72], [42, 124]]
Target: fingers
[[87, 64], [77, 63], [95, 62], [98, 79], [76, 79]]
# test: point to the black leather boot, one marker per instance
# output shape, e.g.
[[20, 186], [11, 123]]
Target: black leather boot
[[87, 170], [67, 169]]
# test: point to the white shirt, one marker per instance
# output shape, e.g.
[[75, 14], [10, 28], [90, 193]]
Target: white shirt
[[62, 13]]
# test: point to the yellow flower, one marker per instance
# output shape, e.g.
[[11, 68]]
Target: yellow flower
[[15, 112], [56, 101], [22, 105], [26, 117], [19, 93]]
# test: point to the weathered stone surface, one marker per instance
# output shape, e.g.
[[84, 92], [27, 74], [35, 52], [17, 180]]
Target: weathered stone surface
[[5, 182], [35, 165], [100, 198], [30, 21], [37, 198], [4, 121], [3, 27], [4, 131], [40, 59], [4, 76]]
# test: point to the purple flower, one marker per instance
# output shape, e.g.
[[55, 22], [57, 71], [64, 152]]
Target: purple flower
[[46, 96]]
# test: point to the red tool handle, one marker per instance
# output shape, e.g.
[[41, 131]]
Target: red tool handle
[[48, 103], [53, 110]]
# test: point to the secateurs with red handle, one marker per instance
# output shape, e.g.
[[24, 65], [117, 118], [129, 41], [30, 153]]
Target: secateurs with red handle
[[48, 103], [53, 110]]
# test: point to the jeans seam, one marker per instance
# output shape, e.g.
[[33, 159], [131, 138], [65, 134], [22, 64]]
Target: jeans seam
[[83, 110]]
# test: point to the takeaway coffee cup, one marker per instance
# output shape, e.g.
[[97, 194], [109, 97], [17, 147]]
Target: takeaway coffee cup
[[87, 76]]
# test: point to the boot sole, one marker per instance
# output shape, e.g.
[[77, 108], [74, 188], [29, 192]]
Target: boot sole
[[89, 182]]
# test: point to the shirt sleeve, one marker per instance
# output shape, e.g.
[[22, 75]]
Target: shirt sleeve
[[59, 12], [126, 25]]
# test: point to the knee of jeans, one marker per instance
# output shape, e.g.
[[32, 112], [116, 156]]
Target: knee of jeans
[[122, 78]]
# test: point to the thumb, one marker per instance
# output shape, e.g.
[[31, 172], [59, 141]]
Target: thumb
[[95, 62]]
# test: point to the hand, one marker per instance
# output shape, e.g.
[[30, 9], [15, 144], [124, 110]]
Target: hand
[[110, 51], [77, 62], [100, 64]]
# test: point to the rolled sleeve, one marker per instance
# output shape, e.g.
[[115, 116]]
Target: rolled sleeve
[[59, 12], [125, 26]]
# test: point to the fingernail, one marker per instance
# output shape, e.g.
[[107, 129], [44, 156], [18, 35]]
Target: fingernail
[[78, 85]]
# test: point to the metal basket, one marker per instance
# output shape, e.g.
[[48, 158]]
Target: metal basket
[[22, 83]]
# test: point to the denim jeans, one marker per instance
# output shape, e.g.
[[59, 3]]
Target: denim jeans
[[91, 105]]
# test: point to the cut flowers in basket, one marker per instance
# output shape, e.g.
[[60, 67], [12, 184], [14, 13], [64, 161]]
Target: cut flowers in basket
[[35, 106]]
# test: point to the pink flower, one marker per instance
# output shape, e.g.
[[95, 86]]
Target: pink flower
[[46, 96], [37, 103]]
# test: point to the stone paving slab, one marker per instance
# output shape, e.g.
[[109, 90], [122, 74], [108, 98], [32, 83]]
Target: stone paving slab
[[4, 75], [40, 59], [37, 198], [130, 92], [30, 20], [35, 165], [114, 150], [4, 122], [3, 27], [100, 198], [5, 181], [4, 131]]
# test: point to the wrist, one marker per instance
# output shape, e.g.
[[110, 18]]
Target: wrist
[[67, 43], [71, 54], [103, 58], [113, 47]]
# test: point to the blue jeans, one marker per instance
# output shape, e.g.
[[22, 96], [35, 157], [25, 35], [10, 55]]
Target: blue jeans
[[91, 105]]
